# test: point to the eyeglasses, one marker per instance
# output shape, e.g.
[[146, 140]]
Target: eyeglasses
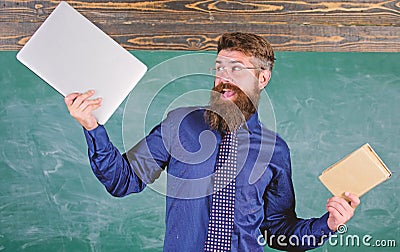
[[233, 70]]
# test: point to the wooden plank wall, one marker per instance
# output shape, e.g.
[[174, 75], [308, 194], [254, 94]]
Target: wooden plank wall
[[352, 25]]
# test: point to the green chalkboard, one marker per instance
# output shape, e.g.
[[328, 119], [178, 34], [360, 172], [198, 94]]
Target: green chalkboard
[[323, 104]]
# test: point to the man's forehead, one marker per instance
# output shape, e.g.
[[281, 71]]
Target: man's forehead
[[229, 61], [232, 57]]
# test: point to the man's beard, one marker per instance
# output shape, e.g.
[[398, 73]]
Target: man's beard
[[226, 115]]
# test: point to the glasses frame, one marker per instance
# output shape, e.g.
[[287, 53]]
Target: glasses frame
[[215, 70]]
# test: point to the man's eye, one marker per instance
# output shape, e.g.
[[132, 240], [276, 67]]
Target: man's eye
[[219, 69], [237, 68]]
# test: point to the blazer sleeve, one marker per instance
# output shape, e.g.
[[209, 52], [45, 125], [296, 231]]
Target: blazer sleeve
[[122, 174]]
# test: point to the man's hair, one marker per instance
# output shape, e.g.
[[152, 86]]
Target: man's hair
[[250, 45]]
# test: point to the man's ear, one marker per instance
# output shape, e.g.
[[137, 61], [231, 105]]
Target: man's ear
[[263, 78]]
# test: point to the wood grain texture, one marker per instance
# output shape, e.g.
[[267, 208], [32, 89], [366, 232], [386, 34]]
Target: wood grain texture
[[365, 25]]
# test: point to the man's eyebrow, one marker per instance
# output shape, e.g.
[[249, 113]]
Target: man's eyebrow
[[236, 61], [231, 62]]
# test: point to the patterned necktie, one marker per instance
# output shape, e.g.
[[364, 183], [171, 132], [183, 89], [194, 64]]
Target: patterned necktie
[[220, 227]]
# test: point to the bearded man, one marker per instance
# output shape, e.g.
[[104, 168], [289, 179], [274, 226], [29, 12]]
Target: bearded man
[[190, 145]]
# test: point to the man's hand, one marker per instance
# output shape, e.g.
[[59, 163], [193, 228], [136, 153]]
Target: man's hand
[[81, 108], [340, 211]]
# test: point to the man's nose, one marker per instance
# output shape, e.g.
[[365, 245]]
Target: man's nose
[[224, 76], [224, 73], [223, 79]]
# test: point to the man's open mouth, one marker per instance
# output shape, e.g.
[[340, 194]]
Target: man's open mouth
[[227, 93]]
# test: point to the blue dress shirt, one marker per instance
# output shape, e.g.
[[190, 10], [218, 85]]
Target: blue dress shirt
[[184, 146]]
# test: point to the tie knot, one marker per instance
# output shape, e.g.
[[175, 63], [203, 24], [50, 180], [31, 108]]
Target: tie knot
[[229, 136], [230, 133], [233, 132]]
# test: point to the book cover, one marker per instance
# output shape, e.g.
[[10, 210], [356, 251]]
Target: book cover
[[358, 172]]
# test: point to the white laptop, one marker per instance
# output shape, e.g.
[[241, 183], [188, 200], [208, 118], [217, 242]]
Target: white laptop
[[73, 55]]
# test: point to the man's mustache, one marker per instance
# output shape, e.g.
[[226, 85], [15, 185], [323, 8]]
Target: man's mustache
[[227, 85]]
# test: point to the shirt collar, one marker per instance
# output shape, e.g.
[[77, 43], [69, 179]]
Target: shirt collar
[[252, 124]]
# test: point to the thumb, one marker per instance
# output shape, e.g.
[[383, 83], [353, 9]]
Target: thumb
[[354, 199]]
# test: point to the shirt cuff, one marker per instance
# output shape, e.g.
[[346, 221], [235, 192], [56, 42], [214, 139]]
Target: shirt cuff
[[96, 139], [321, 227]]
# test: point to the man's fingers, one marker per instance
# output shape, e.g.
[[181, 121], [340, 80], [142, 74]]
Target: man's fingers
[[88, 103], [334, 212], [338, 204], [341, 210], [92, 107], [69, 99], [81, 108], [81, 98]]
